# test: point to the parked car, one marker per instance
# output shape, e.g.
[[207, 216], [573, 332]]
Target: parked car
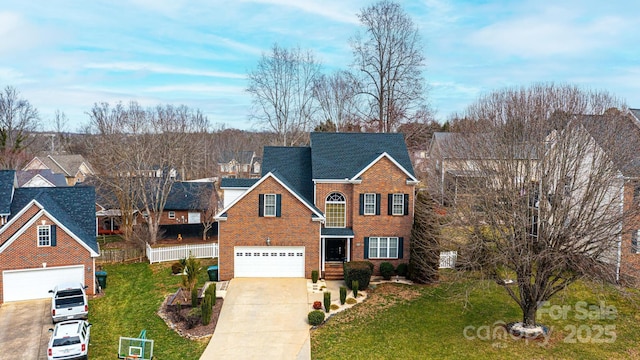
[[70, 340], [69, 302]]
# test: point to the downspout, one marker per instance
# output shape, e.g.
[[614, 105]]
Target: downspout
[[619, 254]]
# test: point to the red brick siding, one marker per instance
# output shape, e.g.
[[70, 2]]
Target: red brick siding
[[630, 261], [24, 252], [382, 178], [244, 227]]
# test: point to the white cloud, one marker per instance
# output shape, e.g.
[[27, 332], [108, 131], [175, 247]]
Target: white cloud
[[162, 69], [337, 11]]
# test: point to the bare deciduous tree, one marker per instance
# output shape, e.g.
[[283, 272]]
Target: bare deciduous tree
[[140, 153], [18, 119], [337, 97], [544, 189], [389, 56], [425, 241], [281, 87]]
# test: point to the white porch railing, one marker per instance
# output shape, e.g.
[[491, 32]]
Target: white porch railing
[[448, 259], [173, 253]]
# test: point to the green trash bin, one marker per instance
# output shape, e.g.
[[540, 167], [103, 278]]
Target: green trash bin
[[213, 272], [102, 278]]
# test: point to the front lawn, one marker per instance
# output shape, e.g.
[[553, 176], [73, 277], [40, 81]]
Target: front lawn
[[132, 298], [463, 319]]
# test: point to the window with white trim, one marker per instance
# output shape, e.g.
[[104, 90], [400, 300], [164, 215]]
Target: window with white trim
[[44, 235], [335, 211], [383, 248], [369, 204], [398, 204], [269, 204], [172, 214]]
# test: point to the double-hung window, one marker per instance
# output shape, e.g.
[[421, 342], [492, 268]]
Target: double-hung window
[[383, 247], [397, 204], [369, 204], [269, 204], [44, 235]]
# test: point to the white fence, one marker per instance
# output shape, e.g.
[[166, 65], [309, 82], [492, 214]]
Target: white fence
[[448, 259], [172, 253]]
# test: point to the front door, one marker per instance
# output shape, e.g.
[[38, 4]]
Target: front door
[[335, 250]]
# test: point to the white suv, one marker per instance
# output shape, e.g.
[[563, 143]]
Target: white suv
[[70, 340], [68, 302]]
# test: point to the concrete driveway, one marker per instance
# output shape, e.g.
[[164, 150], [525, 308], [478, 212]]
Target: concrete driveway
[[262, 319], [24, 329]]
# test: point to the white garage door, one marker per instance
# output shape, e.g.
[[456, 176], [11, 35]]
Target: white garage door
[[269, 261], [36, 283]]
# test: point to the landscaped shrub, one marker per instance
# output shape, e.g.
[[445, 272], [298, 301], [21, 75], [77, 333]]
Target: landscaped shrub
[[206, 309], [315, 317], [334, 307], [351, 301], [402, 269], [314, 276], [211, 291], [343, 294], [327, 301], [358, 270], [194, 297], [193, 319], [355, 286], [176, 268], [317, 305], [386, 270]]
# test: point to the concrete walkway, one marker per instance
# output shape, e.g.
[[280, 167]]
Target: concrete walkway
[[24, 329], [262, 319]]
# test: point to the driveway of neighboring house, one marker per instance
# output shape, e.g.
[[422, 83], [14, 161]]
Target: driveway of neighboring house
[[24, 329], [262, 319]]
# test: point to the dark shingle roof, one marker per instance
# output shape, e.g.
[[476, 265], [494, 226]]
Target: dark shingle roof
[[293, 165], [7, 180], [73, 206], [189, 196], [237, 183], [55, 179], [636, 113], [343, 155], [67, 164]]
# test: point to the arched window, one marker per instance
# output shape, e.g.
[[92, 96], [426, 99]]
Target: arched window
[[335, 210]]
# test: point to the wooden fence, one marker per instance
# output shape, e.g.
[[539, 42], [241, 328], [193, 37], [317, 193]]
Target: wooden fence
[[173, 253], [120, 255]]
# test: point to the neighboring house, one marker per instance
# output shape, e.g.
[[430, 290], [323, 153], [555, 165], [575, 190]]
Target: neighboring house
[[188, 206], [346, 197], [40, 178], [48, 237], [241, 164], [630, 248], [74, 167]]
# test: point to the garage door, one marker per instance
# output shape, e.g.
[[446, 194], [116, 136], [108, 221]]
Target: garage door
[[269, 261], [36, 283]]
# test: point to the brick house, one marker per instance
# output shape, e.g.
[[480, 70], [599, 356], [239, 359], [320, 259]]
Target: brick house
[[47, 236], [346, 197]]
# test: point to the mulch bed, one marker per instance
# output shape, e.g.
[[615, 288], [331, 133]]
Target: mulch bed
[[178, 322]]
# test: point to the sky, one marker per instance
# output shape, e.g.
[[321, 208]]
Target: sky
[[67, 55]]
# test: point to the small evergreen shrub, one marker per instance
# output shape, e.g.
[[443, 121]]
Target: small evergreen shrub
[[343, 294], [358, 270], [211, 291], [206, 309], [176, 268], [355, 286], [327, 301], [351, 301], [314, 276], [315, 317], [386, 270], [194, 297], [402, 269]]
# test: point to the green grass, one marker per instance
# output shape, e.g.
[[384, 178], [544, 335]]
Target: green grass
[[433, 325], [132, 298], [106, 239]]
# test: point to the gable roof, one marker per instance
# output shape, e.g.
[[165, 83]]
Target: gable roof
[[189, 196], [25, 176], [62, 164], [73, 207], [7, 186], [339, 156], [292, 165], [635, 113]]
